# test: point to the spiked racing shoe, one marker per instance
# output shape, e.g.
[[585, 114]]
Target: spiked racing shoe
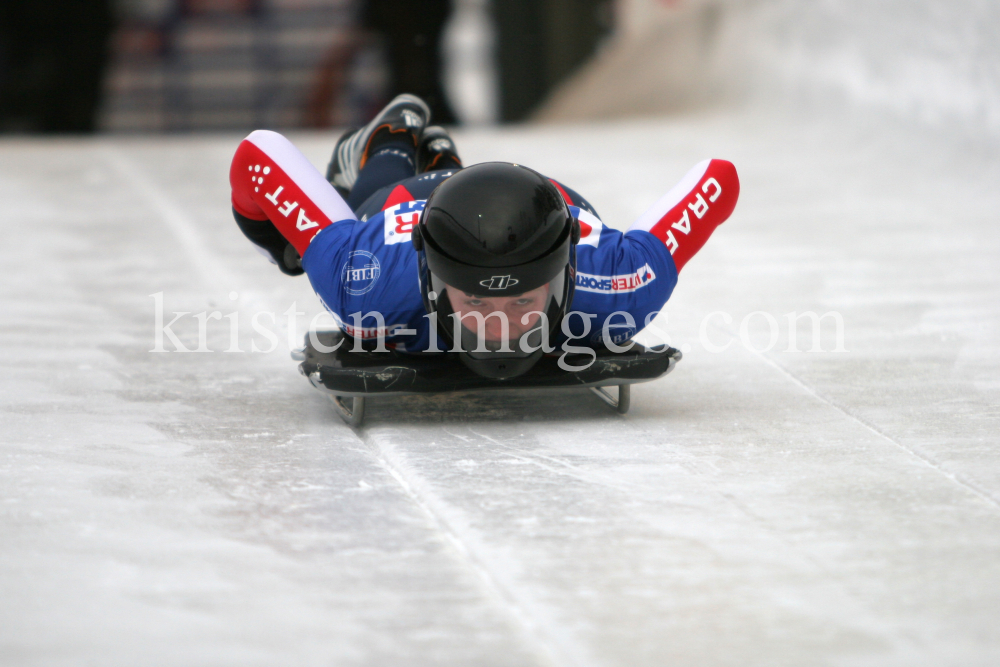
[[334, 172], [437, 151], [405, 114]]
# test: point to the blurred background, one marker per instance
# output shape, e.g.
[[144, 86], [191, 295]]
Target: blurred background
[[187, 65], [199, 65]]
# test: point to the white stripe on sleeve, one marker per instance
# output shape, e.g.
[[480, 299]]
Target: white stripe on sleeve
[[677, 194], [299, 169]]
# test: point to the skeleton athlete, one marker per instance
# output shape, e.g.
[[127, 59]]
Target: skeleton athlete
[[406, 247]]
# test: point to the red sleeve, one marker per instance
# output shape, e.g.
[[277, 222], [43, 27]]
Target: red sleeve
[[685, 217], [272, 180]]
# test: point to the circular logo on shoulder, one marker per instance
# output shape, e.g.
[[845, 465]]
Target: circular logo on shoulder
[[360, 272]]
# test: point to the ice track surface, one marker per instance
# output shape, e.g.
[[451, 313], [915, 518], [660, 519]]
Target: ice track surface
[[753, 508]]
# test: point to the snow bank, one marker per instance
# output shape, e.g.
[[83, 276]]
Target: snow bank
[[936, 61]]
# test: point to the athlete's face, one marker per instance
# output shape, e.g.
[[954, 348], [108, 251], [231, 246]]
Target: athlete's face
[[518, 311]]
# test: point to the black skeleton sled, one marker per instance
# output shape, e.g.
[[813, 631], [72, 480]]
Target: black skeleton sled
[[351, 377]]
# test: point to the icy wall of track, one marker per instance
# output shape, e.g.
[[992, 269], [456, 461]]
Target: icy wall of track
[[937, 61]]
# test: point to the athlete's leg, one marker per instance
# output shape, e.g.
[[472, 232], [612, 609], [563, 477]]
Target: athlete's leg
[[380, 153], [437, 151], [414, 188], [393, 161], [436, 158]]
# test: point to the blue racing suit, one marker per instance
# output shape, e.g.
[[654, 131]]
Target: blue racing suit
[[363, 267], [371, 266]]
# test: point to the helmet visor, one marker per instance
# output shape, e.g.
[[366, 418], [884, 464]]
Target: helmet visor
[[490, 326]]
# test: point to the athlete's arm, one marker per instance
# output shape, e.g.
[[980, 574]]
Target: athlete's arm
[[685, 217], [274, 184], [354, 267], [624, 280]]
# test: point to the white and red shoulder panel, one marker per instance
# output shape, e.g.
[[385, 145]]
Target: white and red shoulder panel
[[686, 216], [271, 179], [590, 226]]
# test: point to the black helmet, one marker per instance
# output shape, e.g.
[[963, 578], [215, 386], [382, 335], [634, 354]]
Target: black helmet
[[491, 232]]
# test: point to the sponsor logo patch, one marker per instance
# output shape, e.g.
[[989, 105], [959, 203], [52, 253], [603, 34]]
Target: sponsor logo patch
[[400, 220], [360, 273], [411, 118], [629, 282], [440, 145], [499, 282]]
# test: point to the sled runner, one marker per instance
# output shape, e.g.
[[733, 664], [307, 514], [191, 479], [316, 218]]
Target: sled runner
[[349, 377]]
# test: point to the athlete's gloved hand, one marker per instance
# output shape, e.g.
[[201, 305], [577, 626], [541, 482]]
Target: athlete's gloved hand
[[274, 246]]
